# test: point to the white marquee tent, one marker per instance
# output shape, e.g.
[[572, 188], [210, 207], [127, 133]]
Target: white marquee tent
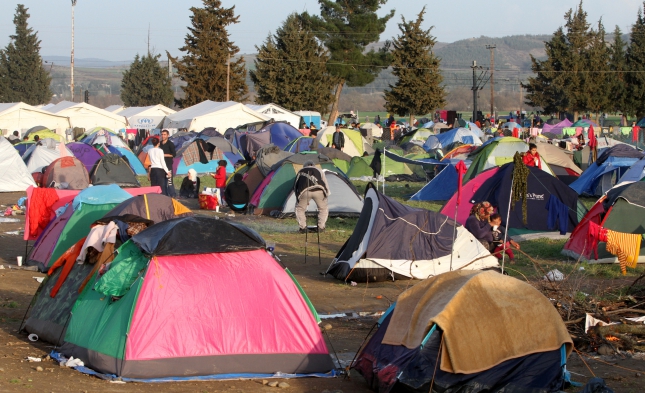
[[20, 116], [277, 113], [15, 176], [221, 115], [115, 108], [145, 117], [86, 116]]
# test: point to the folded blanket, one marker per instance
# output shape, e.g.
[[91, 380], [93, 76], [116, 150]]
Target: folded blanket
[[486, 319]]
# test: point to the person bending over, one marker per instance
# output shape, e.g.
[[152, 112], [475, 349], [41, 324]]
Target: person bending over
[[311, 183], [237, 194]]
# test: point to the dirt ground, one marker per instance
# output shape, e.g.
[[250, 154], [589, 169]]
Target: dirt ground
[[328, 295]]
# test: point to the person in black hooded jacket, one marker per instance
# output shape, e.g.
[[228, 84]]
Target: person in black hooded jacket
[[237, 194]]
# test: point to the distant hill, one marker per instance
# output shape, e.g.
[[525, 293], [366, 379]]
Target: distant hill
[[64, 61]]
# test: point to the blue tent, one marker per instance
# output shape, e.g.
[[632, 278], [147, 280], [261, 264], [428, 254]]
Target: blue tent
[[603, 174], [445, 139], [279, 134], [134, 162], [635, 173], [440, 188], [302, 144]]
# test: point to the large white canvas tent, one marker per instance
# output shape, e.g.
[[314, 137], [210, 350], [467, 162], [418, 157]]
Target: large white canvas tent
[[145, 117], [277, 113], [15, 176], [86, 116], [115, 108], [18, 116], [221, 115]]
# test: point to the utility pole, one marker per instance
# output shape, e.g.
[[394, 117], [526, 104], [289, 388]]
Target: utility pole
[[72, 60], [228, 76], [475, 88], [491, 48], [148, 39]]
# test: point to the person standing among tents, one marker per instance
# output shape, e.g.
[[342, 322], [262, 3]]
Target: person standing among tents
[[220, 177], [158, 173], [338, 140], [169, 154], [376, 163], [311, 183]]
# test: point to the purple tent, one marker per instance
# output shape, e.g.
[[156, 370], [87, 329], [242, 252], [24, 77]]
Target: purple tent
[[557, 129], [85, 153], [42, 251]]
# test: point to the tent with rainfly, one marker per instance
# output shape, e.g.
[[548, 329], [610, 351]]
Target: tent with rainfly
[[15, 176], [494, 186], [395, 241], [166, 318], [250, 140], [113, 169], [39, 156], [68, 170], [355, 144], [304, 143], [50, 311], [428, 341], [497, 152], [87, 154], [603, 174], [73, 224], [133, 160], [448, 138], [440, 188], [622, 209], [273, 191]]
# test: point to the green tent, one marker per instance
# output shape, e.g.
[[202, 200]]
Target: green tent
[[279, 185], [359, 168]]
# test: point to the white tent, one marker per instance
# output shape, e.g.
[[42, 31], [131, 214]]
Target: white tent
[[20, 116], [277, 113], [145, 117], [40, 155], [15, 176], [221, 115], [115, 108], [86, 116]]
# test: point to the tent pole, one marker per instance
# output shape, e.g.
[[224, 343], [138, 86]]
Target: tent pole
[[383, 170], [508, 215], [454, 234]]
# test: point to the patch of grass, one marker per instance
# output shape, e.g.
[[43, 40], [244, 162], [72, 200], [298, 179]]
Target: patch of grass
[[14, 381], [11, 304]]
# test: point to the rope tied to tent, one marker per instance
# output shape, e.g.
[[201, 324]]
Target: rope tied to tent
[[520, 185], [414, 225]]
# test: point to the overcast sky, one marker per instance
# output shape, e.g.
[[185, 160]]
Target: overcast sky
[[117, 29]]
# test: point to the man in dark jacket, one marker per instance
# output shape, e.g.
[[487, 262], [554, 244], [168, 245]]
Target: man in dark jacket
[[169, 154], [338, 140], [311, 183], [237, 194]]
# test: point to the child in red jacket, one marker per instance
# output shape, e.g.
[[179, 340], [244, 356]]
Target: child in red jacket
[[220, 177], [532, 157]]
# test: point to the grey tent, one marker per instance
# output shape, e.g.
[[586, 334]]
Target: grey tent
[[268, 156], [393, 241], [343, 199], [113, 169]]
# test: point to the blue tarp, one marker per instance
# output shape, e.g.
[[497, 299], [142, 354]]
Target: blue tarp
[[441, 188]]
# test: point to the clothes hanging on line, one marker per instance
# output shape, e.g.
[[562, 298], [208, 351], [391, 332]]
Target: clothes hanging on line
[[558, 213], [626, 246], [595, 235]]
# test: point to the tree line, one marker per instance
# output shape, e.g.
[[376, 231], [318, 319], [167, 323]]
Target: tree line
[[304, 64], [585, 73]]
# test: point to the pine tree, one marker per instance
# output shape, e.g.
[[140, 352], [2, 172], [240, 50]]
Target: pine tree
[[579, 39], [546, 89], [207, 47], [618, 94], [291, 69], [418, 89], [636, 65], [596, 81], [146, 83], [21, 67], [346, 27]]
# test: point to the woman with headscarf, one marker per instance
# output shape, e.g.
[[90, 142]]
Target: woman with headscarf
[[190, 186], [478, 223]]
